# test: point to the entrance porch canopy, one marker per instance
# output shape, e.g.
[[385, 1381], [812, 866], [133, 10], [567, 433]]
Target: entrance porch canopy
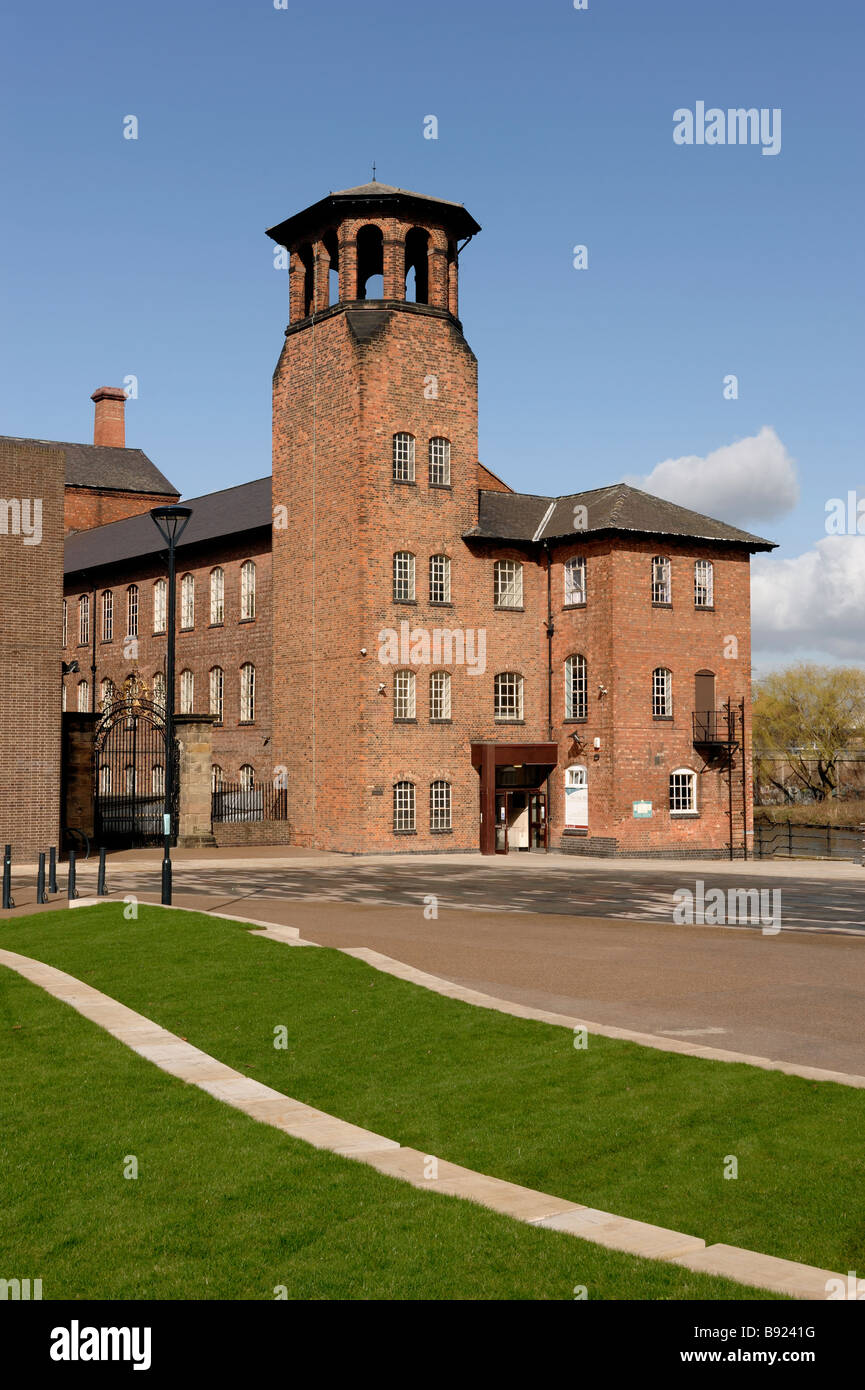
[[486, 757]]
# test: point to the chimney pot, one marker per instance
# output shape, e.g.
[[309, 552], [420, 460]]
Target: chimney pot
[[109, 427]]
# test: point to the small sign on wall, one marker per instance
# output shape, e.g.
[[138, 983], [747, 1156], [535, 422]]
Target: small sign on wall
[[642, 809]]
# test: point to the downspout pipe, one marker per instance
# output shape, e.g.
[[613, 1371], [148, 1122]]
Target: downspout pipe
[[550, 634]]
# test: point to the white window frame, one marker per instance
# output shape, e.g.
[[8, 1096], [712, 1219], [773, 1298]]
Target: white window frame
[[576, 779], [160, 605], [662, 693], [440, 806], [404, 807], [187, 603], [403, 457], [247, 590], [247, 693], [440, 696], [83, 697], [682, 803], [84, 620], [662, 580], [576, 687], [107, 694], [575, 581], [132, 603], [217, 693], [439, 461], [246, 777], [508, 584], [217, 596], [704, 584], [107, 615], [217, 777], [508, 697], [65, 622], [404, 590], [187, 691], [404, 696], [439, 579], [159, 689]]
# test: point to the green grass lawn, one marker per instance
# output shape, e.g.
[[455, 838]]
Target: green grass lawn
[[632, 1130], [225, 1207]]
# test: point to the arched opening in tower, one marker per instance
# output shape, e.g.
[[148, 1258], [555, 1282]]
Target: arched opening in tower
[[304, 255], [331, 246], [370, 263], [417, 266]]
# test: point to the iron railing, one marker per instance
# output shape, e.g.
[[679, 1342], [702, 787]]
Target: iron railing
[[233, 802], [788, 841], [714, 726]]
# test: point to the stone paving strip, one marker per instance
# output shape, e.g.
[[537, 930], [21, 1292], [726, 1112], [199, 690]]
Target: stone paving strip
[[187, 1062]]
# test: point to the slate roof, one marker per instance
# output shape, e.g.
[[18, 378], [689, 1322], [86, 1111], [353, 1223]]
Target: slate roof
[[519, 516], [98, 465], [365, 195], [215, 516]]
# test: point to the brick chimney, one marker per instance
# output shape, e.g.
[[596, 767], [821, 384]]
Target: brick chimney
[[108, 425]]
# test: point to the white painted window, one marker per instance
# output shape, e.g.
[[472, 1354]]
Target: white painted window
[[217, 595], [404, 687], [215, 777], [508, 584], [661, 586], [157, 780], [132, 611], [107, 693], [83, 696], [440, 806], [439, 462], [247, 589], [187, 602], [704, 585], [576, 688], [403, 458], [160, 605], [403, 806], [403, 576], [107, 616], [247, 693], [508, 697], [65, 622], [84, 620], [187, 692], [440, 695], [217, 692], [575, 580], [683, 792], [662, 693], [247, 777], [159, 689], [439, 579], [577, 797]]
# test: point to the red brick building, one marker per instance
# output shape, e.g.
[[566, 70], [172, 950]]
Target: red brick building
[[423, 658]]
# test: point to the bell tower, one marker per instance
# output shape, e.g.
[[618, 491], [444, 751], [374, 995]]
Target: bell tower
[[374, 455]]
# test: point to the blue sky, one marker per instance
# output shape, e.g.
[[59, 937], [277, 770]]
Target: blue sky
[[148, 257]]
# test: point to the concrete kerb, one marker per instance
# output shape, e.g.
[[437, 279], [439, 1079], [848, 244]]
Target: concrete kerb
[[262, 1103]]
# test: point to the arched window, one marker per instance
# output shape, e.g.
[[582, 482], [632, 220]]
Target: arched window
[[576, 797], [508, 696], [132, 611], [84, 620], [331, 246], [403, 577], [403, 458], [576, 688], [157, 780], [575, 581], [217, 689], [129, 779], [187, 602], [65, 622], [662, 693], [247, 693], [439, 579], [107, 693], [83, 696], [159, 689], [105, 781], [417, 266], [683, 792], [107, 615], [247, 589], [404, 688], [187, 692], [247, 777], [370, 263], [439, 462], [215, 778], [160, 603], [508, 584], [403, 806], [661, 585], [440, 695], [440, 806], [217, 595], [704, 587]]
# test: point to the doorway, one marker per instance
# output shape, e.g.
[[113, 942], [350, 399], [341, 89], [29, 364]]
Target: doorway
[[521, 821]]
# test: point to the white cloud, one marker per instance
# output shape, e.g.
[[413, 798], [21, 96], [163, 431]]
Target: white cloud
[[749, 481], [811, 603]]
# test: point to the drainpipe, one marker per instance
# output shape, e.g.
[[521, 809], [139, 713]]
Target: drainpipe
[[550, 633]]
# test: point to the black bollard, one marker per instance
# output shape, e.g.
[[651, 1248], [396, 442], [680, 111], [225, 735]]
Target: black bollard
[[100, 881], [52, 870], [71, 891], [7, 877], [41, 895]]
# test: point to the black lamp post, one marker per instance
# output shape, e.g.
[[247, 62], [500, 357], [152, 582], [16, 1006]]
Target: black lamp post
[[170, 523]]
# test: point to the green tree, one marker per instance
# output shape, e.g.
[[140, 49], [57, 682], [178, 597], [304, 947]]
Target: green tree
[[804, 717]]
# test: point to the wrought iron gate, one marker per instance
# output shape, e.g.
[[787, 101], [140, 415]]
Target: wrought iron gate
[[130, 775]]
